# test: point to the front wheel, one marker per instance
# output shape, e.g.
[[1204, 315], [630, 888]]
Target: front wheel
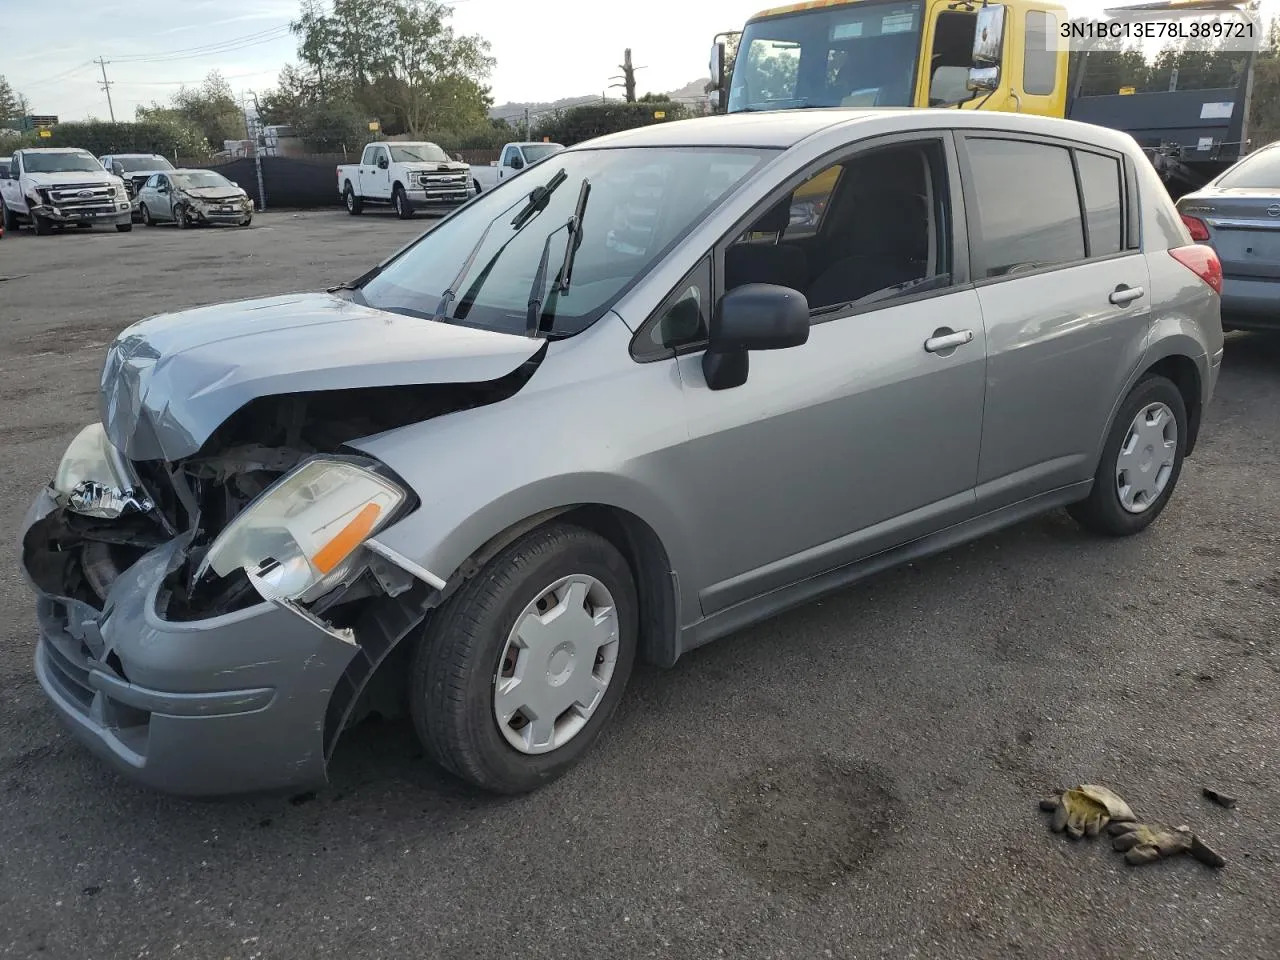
[[1140, 463], [519, 671], [404, 210], [10, 219], [182, 219], [44, 226], [146, 216], [123, 227]]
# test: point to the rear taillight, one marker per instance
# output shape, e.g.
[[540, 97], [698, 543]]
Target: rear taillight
[[1202, 261], [1199, 231]]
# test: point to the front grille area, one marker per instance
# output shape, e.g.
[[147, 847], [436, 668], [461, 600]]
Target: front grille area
[[78, 196], [445, 188]]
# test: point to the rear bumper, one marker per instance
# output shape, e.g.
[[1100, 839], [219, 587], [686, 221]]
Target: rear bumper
[[1251, 304]]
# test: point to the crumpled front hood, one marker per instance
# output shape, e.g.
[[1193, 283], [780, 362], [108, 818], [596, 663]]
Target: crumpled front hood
[[215, 193], [100, 177], [171, 380]]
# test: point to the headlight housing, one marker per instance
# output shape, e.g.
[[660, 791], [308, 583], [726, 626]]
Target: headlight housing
[[95, 480], [300, 537]]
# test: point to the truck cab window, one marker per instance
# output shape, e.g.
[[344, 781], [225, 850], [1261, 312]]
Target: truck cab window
[[1040, 60], [951, 57]]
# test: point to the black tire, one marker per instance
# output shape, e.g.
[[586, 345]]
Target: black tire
[[146, 216], [44, 226], [123, 227], [247, 221], [84, 226], [355, 206], [1102, 512], [452, 675], [399, 200], [10, 219], [181, 219]]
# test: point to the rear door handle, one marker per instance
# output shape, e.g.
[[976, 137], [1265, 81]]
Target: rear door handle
[[947, 341], [1123, 296]]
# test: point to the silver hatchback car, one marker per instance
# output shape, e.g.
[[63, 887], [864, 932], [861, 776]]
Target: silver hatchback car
[[611, 412]]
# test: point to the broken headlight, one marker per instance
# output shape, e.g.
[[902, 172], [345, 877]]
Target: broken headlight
[[297, 540], [93, 479]]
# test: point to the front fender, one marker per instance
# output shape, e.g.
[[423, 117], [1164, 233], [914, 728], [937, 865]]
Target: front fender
[[591, 427]]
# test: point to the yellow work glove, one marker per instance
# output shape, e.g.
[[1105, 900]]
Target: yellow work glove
[[1148, 842], [1085, 810]]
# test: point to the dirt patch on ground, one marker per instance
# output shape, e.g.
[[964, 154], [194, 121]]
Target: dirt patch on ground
[[803, 825]]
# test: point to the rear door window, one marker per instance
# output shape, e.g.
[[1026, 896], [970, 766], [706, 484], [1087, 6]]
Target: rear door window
[[1100, 185], [1027, 213]]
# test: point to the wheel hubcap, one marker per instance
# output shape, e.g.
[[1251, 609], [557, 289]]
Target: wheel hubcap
[[556, 665], [1146, 458]]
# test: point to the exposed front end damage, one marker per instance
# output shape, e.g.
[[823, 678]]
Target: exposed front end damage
[[190, 681]]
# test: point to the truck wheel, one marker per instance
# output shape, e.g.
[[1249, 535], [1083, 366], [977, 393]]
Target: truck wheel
[[404, 210], [520, 670], [124, 227], [354, 204], [44, 226], [10, 218]]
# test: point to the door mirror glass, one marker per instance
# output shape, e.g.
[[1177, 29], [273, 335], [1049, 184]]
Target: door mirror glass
[[517, 161], [382, 161], [717, 65], [988, 48], [754, 316]]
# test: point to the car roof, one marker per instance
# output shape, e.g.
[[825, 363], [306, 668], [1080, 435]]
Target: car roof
[[149, 155], [55, 150], [781, 129]]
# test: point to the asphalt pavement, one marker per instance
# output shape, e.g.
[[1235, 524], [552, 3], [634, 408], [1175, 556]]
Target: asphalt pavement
[[858, 778]]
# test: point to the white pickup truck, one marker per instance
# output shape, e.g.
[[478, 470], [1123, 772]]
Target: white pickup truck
[[515, 158], [61, 186], [408, 176]]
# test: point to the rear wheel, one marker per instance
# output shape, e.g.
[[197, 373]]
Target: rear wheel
[[1140, 463], [521, 669], [354, 204]]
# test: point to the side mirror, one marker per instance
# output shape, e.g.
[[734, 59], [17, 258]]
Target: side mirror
[[755, 316], [717, 65], [988, 48], [517, 162], [382, 163]]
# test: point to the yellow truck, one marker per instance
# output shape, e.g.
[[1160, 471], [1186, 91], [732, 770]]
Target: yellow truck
[[955, 54]]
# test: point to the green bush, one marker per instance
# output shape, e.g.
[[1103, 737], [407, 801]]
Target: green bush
[[101, 137], [598, 119]]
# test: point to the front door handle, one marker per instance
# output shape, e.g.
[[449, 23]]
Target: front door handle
[[1122, 296], [945, 339]]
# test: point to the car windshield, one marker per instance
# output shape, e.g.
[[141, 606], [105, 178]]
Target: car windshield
[[130, 164], [536, 151], [200, 179], [418, 153], [862, 55], [1258, 171], [60, 163], [640, 201]]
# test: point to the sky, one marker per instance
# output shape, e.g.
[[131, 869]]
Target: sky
[[545, 49]]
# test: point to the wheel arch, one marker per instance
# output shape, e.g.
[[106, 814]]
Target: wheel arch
[[656, 583], [1174, 358]]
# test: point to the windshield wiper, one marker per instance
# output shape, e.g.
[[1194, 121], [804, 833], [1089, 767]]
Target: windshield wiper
[[358, 282], [535, 204], [533, 319]]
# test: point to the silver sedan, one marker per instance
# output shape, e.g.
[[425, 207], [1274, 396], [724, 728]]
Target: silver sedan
[[192, 198]]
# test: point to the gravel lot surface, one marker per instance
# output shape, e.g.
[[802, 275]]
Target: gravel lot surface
[[858, 778]]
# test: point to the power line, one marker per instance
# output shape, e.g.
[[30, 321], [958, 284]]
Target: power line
[[60, 76], [249, 39]]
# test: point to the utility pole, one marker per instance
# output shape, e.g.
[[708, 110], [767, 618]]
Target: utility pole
[[257, 150], [106, 85], [526, 123]]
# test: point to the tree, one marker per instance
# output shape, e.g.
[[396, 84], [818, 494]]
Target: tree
[[210, 108], [399, 61], [12, 104], [628, 77]]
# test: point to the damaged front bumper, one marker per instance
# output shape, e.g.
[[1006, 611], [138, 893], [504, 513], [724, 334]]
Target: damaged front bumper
[[227, 705], [118, 212]]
